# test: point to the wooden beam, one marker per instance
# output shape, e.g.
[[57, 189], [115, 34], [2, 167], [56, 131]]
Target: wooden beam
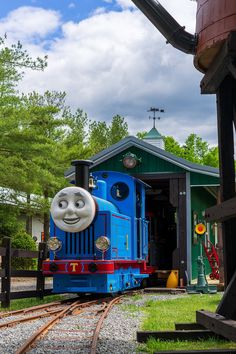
[[6, 280], [156, 176], [202, 351], [24, 253], [40, 278], [188, 326], [222, 211], [234, 105], [174, 192], [175, 335], [217, 324], [182, 230], [227, 305], [25, 273], [2, 251], [225, 116]]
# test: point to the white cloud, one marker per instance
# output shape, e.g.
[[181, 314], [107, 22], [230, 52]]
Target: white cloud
[[125, 4], [184, 11], [118, 63], [98, 11], [29, 22], [71, 5]]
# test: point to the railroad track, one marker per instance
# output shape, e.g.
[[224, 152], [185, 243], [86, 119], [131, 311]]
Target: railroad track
[[73, 326]]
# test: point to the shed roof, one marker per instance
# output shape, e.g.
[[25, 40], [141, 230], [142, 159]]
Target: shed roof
[[131, 141]]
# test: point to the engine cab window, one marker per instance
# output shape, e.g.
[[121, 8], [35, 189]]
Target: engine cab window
[[119, 191]]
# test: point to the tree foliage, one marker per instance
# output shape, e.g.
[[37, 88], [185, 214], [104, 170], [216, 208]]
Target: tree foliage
[[75, 142], [102, 135], [117, 130], [195, 149], [39, 136], [141, 135], [22, 240], [17, 144]]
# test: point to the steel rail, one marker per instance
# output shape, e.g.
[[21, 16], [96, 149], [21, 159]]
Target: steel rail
[[43, 330], [46, 327], [100, 323], [35, 308], [28, 319]]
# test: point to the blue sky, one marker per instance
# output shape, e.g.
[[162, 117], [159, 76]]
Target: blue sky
[[75, 10], [110, 60]]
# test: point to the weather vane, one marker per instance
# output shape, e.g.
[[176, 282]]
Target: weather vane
[[154, 110]]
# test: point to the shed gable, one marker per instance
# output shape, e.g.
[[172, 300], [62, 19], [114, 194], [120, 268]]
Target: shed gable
[[149, 163]]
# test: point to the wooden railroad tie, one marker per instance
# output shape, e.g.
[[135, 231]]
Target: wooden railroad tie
[[196, 334], [219, 324], [214, 351]]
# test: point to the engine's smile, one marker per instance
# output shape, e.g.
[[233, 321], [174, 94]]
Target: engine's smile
[[71, 221]]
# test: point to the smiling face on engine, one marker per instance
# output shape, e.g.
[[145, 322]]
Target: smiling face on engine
[[73, 209]]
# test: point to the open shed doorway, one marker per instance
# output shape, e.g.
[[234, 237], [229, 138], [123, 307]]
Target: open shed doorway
[[162, 216]]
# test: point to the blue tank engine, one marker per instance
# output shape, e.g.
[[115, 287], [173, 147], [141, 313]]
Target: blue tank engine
[[98, 233]]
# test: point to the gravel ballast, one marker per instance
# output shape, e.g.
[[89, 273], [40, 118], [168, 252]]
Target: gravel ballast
[[73, 334], [118, 334]]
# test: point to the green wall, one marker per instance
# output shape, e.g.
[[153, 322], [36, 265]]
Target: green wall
[[200, 200], [149, 163], [199, 179]]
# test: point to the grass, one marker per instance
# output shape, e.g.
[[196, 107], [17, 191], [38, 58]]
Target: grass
[[153, 345], [24, 303], [131, 308], [162, 315], [177, 310], [136, 297]]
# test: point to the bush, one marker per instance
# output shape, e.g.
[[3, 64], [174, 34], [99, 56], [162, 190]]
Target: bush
[[25, 242], [9, 221]]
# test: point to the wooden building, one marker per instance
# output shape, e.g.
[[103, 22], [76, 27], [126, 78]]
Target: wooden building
[[179, 193]]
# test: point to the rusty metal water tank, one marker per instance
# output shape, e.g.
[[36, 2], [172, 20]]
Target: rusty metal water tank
[[215, 20]]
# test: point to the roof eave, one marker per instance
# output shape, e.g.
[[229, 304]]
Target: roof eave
[[132, 141]]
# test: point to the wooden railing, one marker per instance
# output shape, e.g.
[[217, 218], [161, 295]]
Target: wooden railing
[[6, 273]]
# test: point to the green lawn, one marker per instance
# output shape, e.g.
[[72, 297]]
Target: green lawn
[[162, 315]]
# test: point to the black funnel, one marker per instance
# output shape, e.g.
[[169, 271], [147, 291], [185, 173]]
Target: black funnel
[[82, 173]]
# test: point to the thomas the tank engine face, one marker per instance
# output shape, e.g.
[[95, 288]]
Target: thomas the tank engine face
[[73, 209]]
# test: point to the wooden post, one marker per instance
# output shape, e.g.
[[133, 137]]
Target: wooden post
[[40, 287], [220, 246], [221, 79], [182, 225], [6, 280], [225, 114]]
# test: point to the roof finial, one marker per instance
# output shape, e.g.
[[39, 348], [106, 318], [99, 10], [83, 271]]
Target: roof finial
[[154, 110]]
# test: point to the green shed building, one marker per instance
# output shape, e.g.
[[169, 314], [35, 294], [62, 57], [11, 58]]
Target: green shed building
[[179, 193]]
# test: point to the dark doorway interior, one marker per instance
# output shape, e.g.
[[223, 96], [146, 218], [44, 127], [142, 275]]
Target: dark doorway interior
[[162, 225]]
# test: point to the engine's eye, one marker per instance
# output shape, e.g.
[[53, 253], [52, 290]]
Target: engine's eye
[[79, 204], [63, 204]]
